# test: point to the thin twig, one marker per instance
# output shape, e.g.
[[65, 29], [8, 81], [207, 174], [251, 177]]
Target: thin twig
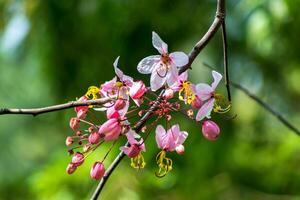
[[267, 107], [38, 111], [225, 54]]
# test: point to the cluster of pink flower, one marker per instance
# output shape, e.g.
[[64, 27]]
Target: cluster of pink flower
[[122, 90]]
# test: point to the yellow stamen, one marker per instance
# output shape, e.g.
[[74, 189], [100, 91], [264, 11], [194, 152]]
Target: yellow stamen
[[118, 84], [138, 162], [164, 164], [188, 95], [92, 92]]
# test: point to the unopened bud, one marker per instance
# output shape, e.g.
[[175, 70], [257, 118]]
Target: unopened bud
[[74, 123], [71, 168], [180, 149], [69, 141], [169, 94], [94, 138], [210, 130], [97, 171]]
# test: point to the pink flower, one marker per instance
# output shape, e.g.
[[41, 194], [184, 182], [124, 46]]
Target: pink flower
[[125, 80], [97, 170], [71, 168], [111, 129], [137, 90], [171, 139], [135, 146], [206, 93], [196, 103], [74, 123], [163, 67], [94, 138], [210, 130], [77, 159]]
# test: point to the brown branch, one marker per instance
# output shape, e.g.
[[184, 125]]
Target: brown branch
[[220, 15], [267, 107], [37, 111]]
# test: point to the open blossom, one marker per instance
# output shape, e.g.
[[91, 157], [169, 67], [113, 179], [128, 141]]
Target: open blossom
[[210, 130], [171, 139], [207, 93], [111, 129], [164, 67], [97, 170], [135, 146]]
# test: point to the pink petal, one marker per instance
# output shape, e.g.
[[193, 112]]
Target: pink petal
[[130, 137], [205, 110], [160, 135], [217, 78], [146, 65], [181, 138], [172, 76], [179, 58], [158, 77], [118, 72], [158, 44], [204, 91]]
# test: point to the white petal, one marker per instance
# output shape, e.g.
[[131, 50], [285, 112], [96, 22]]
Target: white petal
[[158, 44], [172, 76], [179, 58], [204, 91], [205, 110], [217, 78], [118, 72], [158, 77], [146, 65]]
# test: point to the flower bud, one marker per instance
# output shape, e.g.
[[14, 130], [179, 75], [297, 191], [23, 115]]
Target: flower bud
[[69, 141], [210, 130], [169, 94], [180, 149], [71, 168], [111, 129], [77, 159], [74, 123], [137, 90], [81, 110], [97, 171], [112, 113], [94, 138], [197, 103], [119, 104]]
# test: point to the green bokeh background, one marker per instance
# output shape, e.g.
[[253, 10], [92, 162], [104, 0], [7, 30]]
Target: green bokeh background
[[52, 50]]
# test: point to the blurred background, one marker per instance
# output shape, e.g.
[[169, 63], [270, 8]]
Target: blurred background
[[52, 50]]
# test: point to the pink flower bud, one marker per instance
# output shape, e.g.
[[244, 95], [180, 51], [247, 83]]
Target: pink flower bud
[[169, 94], [210, 130], [74, 123], [111, 129], [119, 104], [180, 149], [137, 90], [112, 113], [77, 159], [81, 110], [69, 141], [71, 168], [94, 138], [97, 170], [196, 103]]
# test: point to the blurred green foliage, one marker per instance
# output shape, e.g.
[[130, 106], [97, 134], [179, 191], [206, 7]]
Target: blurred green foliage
[[52, 50]]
